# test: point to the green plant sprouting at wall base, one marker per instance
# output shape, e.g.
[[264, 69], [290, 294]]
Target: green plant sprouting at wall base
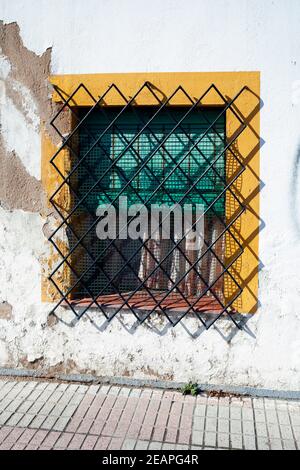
[[190, 389]]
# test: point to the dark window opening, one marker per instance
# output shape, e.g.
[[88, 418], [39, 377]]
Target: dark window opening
[[146, 172]]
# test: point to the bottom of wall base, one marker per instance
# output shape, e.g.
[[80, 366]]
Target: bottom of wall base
[[89, 379]]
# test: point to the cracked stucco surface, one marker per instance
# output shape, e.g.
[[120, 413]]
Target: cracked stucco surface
[[23, 82], [267, 353]]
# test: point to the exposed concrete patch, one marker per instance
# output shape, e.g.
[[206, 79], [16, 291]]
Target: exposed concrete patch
[[18, 189], [26, 90], [5, 311], [28, 69], [32, 71]]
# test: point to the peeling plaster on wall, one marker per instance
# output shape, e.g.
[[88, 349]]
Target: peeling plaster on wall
[[266, 354], [20, 122], [27, 81], [28, 85], [25, 103], [18, 189]]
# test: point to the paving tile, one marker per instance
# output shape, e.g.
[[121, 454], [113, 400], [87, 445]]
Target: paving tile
[[49, 415], [63, 441], [223, 440], [26, 420], [271, 415], [36, 440], [184, 436], [210, 439], [223, 425], [175, 414], [236, 441], [289, 444], [125, 391], [259, 415], [14, 419], [89, 443], [102, 443], [199, 423], [76, 442], [11, 438], [248, 427], [80, 413], [212, 411], [200, 410], [50, 440], [275, 444], [171, 434], [4, 431], [105, 389], [128, 444], [197, 437], [296, 430], [25, 406], [114, 390], [263, 443], [211, 425], [135, 392], [149, 420], [115, 443], [235, 426], [283, 417], [273, 430], [69, 411], [258, 403], [37, 421], [223, 412], [143, 445], [93, 389], [114, 416], [286, 432], [270, 403], [235, 412], [249, 442], [181, 447], [247, 414], [155, 446], [167, 446], [295, 419], [4, 417], [60, 424], [261, 429], [101, 417], [26, 436], [14, 405], [49, 422]]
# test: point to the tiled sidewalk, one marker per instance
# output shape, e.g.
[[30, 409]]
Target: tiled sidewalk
[[50, 415]]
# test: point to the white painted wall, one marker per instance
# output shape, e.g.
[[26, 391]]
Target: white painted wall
[[169, 35]]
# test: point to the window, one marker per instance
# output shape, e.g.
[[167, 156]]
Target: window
[[183, 154], [141, 163]]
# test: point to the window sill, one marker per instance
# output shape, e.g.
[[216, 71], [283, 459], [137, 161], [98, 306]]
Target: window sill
[[143, 301]]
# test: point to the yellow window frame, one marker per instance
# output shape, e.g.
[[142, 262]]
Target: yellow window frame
[[247, 144]]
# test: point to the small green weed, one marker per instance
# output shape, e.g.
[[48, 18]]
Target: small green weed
[[190, 389]]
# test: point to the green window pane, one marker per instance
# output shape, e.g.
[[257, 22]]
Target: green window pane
[[158, 163]]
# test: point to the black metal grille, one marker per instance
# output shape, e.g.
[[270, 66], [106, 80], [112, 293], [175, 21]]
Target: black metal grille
[[95, 282]]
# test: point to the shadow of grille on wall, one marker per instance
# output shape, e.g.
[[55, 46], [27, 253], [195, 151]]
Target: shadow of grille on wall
[[158, 154]]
